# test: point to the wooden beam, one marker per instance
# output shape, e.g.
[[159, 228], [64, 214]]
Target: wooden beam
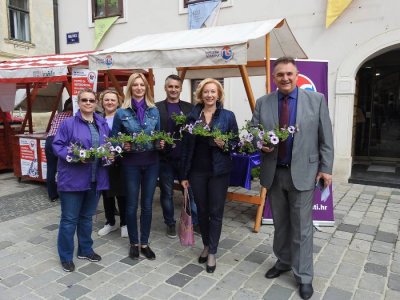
[[56, 104], [151, 81], [68, 86], [250, 64], [182, 74], [115, 83], [29, 112], [247, 87], [29, 107]]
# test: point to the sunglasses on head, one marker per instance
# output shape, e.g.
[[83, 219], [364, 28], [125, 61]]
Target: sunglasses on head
[[85, 100]]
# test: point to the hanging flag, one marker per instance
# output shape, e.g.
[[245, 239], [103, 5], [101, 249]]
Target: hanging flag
[[101, 26], [200, 12], [212, 19], [334, 9]]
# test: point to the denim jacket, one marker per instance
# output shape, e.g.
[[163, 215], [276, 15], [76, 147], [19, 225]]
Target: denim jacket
[[126, 121], [222, 119]]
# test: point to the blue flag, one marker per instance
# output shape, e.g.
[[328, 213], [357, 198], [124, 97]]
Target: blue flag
[[199, 12]]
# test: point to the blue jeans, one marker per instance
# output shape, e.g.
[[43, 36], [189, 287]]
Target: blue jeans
[[168, 172], [77, 210], [51, 168], [143, 179]]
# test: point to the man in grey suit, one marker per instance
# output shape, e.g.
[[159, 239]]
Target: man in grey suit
[[291, 171]]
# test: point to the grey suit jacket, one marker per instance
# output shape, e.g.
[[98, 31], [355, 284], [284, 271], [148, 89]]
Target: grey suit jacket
[[312, 146]]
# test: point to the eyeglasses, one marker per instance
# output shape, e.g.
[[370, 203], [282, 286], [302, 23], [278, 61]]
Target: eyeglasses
[[85, 100]]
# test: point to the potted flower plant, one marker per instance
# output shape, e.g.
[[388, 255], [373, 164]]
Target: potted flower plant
[[107, 153], [162, 136], [226, 137], [197, 128], [254, 137], [179, 119], [77, 153]]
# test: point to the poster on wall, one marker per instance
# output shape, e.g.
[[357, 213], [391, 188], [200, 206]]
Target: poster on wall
[[313, 76], [82, 79], [43, 160], [29, 157]]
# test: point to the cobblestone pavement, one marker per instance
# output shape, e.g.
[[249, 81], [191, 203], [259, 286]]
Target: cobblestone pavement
[[358, 258]]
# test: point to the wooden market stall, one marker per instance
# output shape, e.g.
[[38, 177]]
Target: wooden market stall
[[21, 148], [240, 50]]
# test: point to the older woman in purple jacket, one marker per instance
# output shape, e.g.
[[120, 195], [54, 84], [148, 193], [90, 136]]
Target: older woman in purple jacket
[[79, 183]]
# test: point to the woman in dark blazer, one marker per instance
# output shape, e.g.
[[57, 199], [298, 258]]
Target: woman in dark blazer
[[206, 166]]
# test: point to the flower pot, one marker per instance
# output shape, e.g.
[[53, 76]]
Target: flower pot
[[137, 148], [269, 145], [157, 144], [88, 160]]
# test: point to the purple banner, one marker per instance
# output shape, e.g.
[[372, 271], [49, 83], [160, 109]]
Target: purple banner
[[313, 76]]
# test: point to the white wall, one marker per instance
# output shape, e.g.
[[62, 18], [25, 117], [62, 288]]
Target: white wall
[[41, 31], [362, 22]]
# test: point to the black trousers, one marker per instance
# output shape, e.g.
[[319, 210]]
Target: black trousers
[[109, 209], [210, 195]]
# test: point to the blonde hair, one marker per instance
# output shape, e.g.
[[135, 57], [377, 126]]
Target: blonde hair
[[200, 88], [105, 92], [128, 95]]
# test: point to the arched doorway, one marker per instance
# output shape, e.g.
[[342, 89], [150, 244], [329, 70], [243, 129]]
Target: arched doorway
[[376, 136], [346, 95]]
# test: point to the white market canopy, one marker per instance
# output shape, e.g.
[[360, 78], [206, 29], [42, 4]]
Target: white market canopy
[[226, 45], [43, 68]]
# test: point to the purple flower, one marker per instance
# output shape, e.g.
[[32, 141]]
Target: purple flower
[[249, 137], [259, 144]]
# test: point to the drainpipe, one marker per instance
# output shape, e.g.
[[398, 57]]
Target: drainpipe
[[56, 27]]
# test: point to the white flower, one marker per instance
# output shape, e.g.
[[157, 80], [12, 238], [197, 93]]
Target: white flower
[[68, 158], [243, 134], [82, 153], [274, 140], [291, 129], [259, 144], [118, 149], [249, 137], [112, 148]]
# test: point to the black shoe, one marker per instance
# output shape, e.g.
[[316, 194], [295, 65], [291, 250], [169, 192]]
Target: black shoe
[[171, 231], [134, 252], [147, 252], [68, 266], [94, 257], [53, 199], [306, 290], [202, 259], [211, 269], [274, 272]]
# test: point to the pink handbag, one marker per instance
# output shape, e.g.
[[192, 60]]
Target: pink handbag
[[185, 229]]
